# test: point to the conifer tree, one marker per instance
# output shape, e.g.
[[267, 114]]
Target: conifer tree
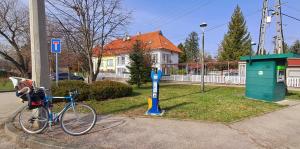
[[295, 48], [237, 41], [140, 65], [191, 46], [183, 55]]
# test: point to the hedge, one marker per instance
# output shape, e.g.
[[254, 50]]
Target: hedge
[[64, 87], [100, 90]]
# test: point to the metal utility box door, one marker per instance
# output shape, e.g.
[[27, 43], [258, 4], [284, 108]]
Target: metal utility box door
[[265, 76], [262, 82]]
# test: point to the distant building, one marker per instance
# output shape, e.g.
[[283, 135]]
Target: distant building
[[293, 69], [116, 54]]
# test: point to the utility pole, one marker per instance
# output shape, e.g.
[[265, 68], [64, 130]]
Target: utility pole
[[39, 50], [202, 26], [279, 33], [279, 41], [263, 26]]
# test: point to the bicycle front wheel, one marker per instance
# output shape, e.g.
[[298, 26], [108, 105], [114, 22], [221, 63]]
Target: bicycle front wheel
[[33, 120], [78, 119]]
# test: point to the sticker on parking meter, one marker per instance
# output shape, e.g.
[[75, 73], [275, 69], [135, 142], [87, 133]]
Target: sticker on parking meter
[[155, 87]]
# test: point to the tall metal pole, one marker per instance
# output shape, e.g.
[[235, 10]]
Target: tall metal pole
[[39, 50], [56, 69], [262, 31], [279, 33], [202, 59]]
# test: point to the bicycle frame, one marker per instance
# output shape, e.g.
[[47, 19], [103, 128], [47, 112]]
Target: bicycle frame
[[48, 101]]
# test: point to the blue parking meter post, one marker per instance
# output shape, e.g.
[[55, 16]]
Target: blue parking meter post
[[154, 108]]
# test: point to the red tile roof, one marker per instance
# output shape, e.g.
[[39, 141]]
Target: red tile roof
[[151, 40], [293, 62]]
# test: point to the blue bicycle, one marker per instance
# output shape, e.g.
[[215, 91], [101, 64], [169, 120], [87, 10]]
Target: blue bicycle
[[75, 118]]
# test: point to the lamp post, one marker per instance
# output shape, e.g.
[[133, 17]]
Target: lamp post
[[252, 44], [202, 26]]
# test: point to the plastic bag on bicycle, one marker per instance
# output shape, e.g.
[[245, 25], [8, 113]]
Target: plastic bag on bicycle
[[36, 99], [21, 85]]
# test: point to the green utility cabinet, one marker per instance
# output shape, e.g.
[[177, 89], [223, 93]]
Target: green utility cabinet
[[266, 76]]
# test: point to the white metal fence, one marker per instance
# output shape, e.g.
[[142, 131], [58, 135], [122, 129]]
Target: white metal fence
[[217, 79]]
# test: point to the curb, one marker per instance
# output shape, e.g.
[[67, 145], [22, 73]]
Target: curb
[[28, 140], [11, 118]]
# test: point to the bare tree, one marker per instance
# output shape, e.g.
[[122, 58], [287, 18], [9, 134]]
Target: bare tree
[[87, 24], [14, 35]]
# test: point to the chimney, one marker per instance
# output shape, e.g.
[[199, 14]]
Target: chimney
[[138, 33], [126, 37]]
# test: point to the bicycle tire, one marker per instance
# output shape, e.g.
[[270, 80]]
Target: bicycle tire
[[80, 115], [37, 122]]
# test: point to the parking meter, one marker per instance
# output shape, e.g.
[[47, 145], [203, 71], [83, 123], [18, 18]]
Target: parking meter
[[154, 108]]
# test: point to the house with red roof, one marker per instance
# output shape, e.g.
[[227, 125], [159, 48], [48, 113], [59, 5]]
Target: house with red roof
[[115, 55]]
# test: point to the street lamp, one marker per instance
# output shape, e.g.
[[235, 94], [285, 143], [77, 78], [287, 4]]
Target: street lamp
[[202, 26], [252, 44]]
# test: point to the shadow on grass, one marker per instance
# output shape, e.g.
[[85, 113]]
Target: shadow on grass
[[144, 104], [134, 94], [166, 99], [212, 89], [177, 105], [291, 94], [126, 109]]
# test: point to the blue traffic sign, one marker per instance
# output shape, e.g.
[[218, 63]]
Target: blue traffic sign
[[55, 45]]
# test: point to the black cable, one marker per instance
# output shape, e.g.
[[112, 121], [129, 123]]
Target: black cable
[[290, 17]]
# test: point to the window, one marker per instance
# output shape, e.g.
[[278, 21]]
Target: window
[[121, 71], [110, 62], [166, 58], [121, 60], [154, 58]]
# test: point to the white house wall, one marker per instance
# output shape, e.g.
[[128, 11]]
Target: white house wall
[[173, 56], [122, 66]]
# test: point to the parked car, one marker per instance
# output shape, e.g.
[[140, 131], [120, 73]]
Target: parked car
[[65, 76]]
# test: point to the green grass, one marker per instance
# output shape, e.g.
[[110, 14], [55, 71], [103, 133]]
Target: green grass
[[217, 104], [5, 84], [293, 95]]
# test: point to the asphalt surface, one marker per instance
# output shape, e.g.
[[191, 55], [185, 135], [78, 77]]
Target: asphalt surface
[[279, 129], [9, 104]]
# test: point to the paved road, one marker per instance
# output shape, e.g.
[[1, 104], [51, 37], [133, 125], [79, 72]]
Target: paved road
[[9, 103], [280, 129]]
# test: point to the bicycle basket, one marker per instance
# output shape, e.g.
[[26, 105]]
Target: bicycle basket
[[36, 99]]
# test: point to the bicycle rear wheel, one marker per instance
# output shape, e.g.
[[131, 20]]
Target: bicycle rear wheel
[[33, 120], [78, 120]]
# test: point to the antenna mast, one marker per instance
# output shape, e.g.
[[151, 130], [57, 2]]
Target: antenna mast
[[263, 26]]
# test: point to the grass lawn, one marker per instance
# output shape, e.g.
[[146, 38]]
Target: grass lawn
[[5, 84], [217, 104], [293, 95]]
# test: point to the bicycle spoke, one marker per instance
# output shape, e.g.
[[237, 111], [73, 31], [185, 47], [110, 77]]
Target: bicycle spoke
[[78, 119], [33, 121]]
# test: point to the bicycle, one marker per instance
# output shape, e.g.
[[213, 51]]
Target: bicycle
[[75, 118]]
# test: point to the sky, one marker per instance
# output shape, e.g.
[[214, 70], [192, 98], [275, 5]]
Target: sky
[[177, 18]]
